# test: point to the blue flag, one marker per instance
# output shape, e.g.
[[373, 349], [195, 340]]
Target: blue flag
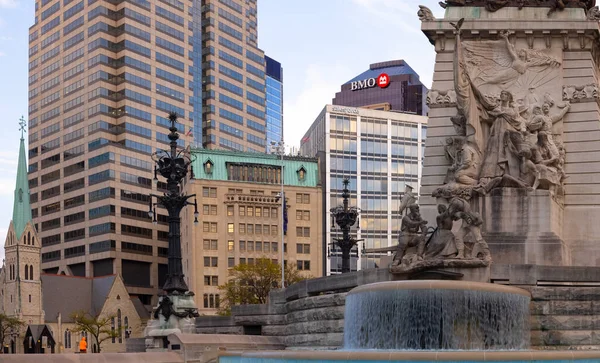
[[285, 217]]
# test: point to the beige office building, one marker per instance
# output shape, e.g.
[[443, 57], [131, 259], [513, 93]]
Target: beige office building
[[103, 76], [240, 218]]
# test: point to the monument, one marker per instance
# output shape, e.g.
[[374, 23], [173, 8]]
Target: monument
[[513, 125]]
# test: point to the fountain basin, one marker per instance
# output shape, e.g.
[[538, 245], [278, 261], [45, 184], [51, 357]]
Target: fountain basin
[[436, 315]]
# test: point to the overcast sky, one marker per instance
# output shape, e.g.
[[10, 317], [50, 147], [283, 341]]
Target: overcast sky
[[320, 43]]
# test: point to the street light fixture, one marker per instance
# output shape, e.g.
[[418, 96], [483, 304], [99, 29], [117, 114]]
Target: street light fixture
[[345, 217], [278, 148], [172, 165]]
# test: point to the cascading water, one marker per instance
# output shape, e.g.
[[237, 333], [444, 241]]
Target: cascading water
[[436, 315]]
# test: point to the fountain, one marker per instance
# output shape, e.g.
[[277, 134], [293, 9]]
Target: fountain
[[436, 315]]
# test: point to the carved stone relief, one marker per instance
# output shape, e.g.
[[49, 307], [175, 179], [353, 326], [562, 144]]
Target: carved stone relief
[[508, 126], [436, 98], [580, 93]]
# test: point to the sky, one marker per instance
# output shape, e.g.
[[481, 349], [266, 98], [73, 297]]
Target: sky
[[321, 44]]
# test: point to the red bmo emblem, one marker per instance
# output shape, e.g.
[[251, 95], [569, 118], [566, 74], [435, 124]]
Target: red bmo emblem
[[383, 80]]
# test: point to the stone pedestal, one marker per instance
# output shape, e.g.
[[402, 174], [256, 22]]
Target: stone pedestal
[[174, 314], [523, 227]]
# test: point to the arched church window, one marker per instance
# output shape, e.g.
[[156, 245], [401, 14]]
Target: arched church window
[[26, 272], [112, 328], [29, 298], [31, 272], [126, 324], [211, 301], [67, 339], [119, 326], [28, 238], [33, 241], [205, 300]]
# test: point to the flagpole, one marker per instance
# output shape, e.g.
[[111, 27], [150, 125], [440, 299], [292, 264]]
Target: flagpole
[[279, 148]]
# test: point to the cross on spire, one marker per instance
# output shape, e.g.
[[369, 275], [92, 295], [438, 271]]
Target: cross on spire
[[22, 125]]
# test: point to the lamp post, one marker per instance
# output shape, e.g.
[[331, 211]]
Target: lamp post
[[345, 217], [279, 149], [173, 165]]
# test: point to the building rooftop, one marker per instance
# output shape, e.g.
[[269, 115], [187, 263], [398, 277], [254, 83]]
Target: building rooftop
[[220, 159], [392, 68]]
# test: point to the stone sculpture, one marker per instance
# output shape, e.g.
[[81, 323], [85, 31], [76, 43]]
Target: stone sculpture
[[459, 209], [442, 244], [505, 136], [412, 234], [593, 14], [425, 14]]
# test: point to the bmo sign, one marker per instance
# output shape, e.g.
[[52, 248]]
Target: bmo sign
[[382, 80]]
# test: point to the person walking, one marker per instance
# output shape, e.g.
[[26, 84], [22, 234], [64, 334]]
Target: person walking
[[82, 345]]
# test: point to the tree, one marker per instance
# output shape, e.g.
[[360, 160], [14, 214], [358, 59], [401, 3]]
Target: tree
[[251, 284], [8, 323], [101, 328]]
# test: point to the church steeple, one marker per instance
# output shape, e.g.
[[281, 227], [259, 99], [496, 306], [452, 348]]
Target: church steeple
[[21, 208]]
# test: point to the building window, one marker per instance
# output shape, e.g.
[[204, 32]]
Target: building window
[[242, 246], [209, 209], [242, 228], [303, 231], [303, 215], [67, 339], [211, 280], [230, 227], [303, 248], [230, 245], [231, 262], [303, 265], [230, 210], [209, 227], [210, 244], [242, 210], [211, 261], [302, 198], [250, 211], [209, 192]]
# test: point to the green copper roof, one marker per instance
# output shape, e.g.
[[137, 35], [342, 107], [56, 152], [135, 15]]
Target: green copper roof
[[220, 158], [21, 208]]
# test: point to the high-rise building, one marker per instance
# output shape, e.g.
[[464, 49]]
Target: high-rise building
[[380, 152], [103, 76], [274, 101], [241, 218], [387, 86], [233, 77]]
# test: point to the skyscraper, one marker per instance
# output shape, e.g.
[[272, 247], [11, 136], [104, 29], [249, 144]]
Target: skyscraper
[[233, 77], [103, 75], [274, 100]]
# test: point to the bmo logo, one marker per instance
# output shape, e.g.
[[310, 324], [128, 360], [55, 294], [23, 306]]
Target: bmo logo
[[382, 80]]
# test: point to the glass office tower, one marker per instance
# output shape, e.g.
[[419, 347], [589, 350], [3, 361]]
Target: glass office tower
[[103, 75], [274, 101], [380, 152], [233, 77]]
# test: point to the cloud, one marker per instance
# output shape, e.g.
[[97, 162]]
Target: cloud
[[2, 54], [321, 82], [8, 3]]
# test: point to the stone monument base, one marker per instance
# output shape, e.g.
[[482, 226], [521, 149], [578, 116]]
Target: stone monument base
[[523, 227], [174, 314], [444, 269]]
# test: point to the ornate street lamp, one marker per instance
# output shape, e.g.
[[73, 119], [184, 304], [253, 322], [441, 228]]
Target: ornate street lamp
[[279, 149], [345, 217], [173, 165], [178, 302]]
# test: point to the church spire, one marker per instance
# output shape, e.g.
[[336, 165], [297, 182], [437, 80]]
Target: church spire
[[21, 208]]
